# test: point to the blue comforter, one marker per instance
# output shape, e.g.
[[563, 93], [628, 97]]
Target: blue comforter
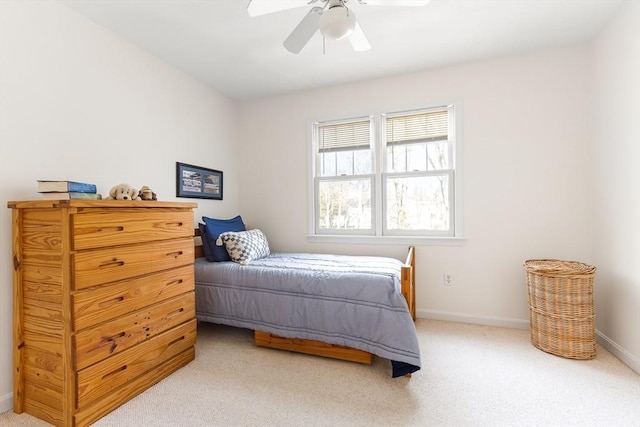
[[344, 300]]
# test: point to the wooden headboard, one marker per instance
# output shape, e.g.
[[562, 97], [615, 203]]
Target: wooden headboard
[[197, 241]]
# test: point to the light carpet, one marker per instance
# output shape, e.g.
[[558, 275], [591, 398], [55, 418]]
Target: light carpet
[[472, 376]]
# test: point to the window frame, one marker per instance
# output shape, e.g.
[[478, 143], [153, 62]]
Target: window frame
[[380, 233], [317, 179], [382, 146]]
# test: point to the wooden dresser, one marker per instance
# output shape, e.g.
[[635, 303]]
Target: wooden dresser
[[103, 303]]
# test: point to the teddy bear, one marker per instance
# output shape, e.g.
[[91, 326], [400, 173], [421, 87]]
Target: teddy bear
[[147, 194], [123, 192]]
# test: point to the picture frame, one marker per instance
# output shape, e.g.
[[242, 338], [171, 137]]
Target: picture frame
[[198, 182]]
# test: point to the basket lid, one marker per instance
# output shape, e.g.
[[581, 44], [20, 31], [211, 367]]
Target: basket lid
[[556, 267]]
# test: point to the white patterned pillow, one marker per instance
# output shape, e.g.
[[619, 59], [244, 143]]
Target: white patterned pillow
[[244, 246]]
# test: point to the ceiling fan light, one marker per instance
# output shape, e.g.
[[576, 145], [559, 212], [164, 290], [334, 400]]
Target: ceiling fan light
[[337, 22]]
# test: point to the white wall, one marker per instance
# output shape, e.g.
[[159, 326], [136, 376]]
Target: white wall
[[617, 184], [527, 174], [79, 103]]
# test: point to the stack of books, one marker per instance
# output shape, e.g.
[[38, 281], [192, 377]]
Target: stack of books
[[67, 190]]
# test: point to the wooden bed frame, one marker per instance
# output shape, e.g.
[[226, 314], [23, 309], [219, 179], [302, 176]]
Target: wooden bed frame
[[319, 348]]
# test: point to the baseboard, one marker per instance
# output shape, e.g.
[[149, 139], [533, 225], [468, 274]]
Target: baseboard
[[612, 347], [502, 322], [6, 402]]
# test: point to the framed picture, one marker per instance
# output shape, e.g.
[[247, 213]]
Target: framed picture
[[198, 182]]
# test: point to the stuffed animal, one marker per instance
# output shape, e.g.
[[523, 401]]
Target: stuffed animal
[[147, 194], [123, 192]]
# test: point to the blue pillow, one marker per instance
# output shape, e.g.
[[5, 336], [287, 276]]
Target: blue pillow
[[206, 242], [215, 227]]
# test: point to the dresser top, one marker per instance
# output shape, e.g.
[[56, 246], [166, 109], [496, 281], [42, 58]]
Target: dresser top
[[44, 204]]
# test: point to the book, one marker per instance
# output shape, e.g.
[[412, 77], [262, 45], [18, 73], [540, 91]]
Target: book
[[65, 186], [70, 195]]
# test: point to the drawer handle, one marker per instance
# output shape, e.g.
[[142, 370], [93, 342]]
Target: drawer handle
[[174, 282], [110, 302], [114, 372], [174, 224], [110, 229], [175, 254], [182, 338], [115, 262], [175, 312]]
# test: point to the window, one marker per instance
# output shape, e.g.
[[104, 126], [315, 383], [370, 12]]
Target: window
[[344, 177], [418, 174], [390, 174]]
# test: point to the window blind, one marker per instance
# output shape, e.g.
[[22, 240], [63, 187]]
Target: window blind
[[420, 127], [344, 136]]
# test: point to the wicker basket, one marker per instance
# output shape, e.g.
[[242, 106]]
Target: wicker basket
[[561, 307]]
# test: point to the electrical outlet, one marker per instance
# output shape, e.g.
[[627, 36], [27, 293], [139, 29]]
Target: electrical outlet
[[448, 279]]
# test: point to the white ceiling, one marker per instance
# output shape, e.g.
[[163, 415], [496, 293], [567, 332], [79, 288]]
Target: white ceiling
[[216, 42]]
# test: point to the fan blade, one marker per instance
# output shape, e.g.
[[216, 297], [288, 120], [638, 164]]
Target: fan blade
[[301, 35], [358, 40], [262, 7], [394, 2]]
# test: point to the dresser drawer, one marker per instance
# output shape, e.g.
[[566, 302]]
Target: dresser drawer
[[88, 414], [105, 377], [98, 343], [96, 229], [96, 267], [97, 305]]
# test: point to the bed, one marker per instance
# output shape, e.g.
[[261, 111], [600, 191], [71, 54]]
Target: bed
[[337, 306]]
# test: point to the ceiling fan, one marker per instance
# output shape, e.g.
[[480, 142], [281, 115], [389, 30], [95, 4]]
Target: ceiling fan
[[332, 17]]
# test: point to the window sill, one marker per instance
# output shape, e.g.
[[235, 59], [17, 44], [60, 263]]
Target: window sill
[[388, 240]]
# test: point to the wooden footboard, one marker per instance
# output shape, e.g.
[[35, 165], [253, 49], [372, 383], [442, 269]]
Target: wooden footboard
[[319, 348], [408, 281]]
